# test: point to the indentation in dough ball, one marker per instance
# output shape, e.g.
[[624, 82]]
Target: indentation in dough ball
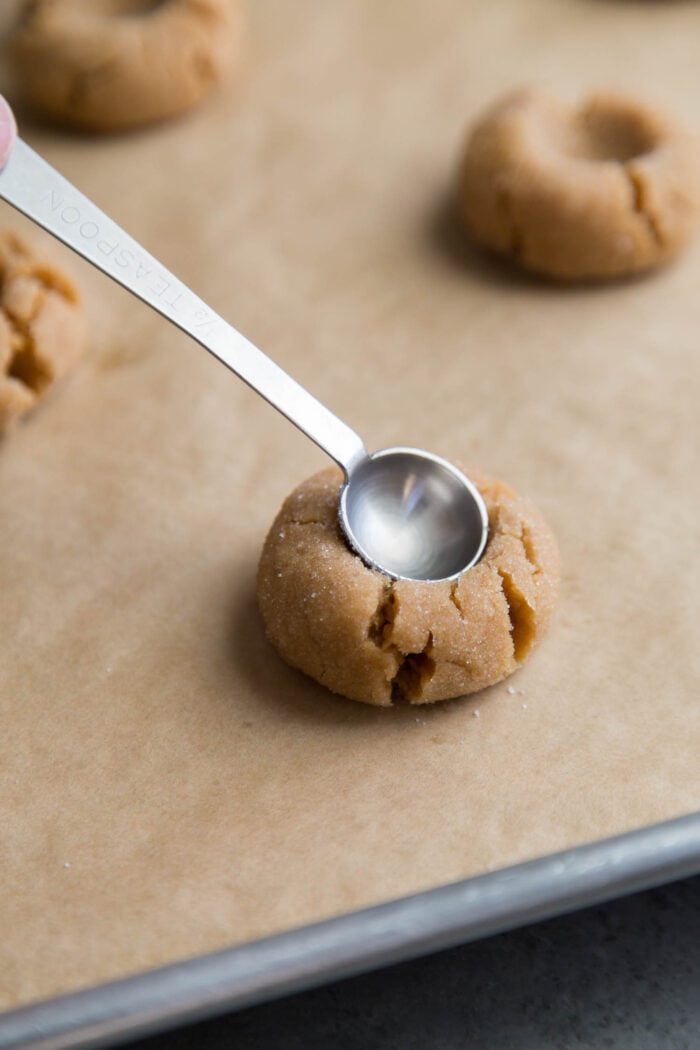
[[379, 640], [604, 190], [41, 326]]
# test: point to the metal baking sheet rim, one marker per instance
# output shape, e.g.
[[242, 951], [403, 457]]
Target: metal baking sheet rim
[[360, 941]]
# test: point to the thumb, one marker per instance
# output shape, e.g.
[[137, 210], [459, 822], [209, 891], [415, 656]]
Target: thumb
[[8, 130]]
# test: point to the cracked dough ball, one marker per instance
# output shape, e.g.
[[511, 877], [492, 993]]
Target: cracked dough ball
[[41, 326], [107, 65], [604, 190], [373, 639]]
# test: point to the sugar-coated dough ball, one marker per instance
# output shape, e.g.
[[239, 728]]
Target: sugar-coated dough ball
[[377, 640], [604, 190], [107, 65], [41, 326]]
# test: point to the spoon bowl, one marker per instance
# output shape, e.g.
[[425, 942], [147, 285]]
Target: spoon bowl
[[413, 515]]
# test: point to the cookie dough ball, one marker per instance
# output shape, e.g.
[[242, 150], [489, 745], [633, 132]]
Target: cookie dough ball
[[107, 65], [604, 190], [41, 326], [379, 640]]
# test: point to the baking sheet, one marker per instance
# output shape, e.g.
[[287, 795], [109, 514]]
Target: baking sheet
[[359, 941], [169, 788]]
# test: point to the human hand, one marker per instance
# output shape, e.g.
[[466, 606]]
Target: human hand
[[8, 131]]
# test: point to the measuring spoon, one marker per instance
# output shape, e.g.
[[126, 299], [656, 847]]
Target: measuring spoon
[[407, 513]]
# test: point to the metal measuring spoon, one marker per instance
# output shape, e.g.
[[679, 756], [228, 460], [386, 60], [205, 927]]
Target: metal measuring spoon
[[408, 513]]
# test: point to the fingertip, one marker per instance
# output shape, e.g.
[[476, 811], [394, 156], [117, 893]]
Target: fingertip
[[8, 130]]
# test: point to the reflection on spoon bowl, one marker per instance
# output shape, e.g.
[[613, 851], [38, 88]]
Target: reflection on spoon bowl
[[413, 515]]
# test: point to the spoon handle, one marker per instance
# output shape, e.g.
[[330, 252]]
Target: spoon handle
[[32, 186]]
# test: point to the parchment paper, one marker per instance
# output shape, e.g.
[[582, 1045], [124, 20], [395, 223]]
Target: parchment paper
[[168, 786]]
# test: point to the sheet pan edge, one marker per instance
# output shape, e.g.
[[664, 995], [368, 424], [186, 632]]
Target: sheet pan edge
[[360, 941]]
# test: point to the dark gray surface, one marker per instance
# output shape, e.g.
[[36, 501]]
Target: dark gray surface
[[623, 975]]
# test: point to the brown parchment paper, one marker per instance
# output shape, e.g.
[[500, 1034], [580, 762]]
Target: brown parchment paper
[[168, 786]]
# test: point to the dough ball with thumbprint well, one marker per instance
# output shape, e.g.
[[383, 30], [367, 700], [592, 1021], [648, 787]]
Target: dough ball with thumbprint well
[[606, 189], [109, 65], [42, 332], [378, 640]]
